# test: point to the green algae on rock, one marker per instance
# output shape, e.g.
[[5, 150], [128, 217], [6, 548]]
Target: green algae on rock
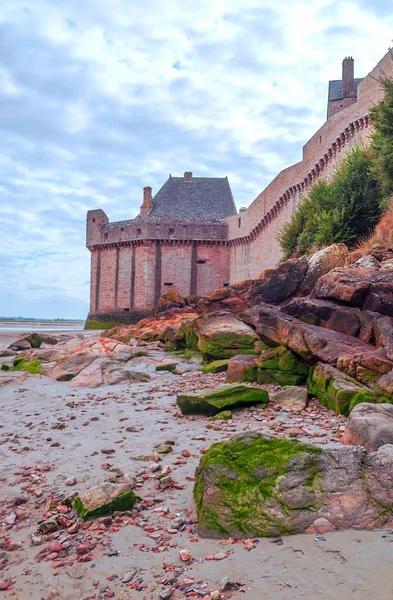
[[257, 485], [280, 365], [274, 365], [217, 366], [166, 367], [104, 499], [224, 415], [222, 335], [210, 402], [336, 390], [32, 367]]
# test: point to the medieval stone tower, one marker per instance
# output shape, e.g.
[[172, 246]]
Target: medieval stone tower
[[189, 236]]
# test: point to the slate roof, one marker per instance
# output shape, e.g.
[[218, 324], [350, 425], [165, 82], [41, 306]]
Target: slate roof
[[336, 88], [203, 198]]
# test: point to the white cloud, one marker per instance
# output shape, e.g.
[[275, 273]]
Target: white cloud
[[101, 98]]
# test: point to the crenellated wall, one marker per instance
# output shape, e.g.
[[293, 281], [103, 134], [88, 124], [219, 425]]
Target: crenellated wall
[[253, 234]]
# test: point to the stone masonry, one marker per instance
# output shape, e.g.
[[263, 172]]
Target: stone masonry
[[189, 237]]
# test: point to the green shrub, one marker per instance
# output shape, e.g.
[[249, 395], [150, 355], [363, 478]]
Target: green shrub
[[382, 140], [344, 209]]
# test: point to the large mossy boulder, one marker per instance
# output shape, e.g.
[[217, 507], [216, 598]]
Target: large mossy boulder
[[104, 499], [222, 335], [336, 390], [211, 402], [255, 485]]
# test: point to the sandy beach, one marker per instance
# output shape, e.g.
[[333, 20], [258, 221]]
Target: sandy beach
[[51, 432]]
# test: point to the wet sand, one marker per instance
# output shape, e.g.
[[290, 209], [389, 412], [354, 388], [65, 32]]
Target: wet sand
[[351, 564]]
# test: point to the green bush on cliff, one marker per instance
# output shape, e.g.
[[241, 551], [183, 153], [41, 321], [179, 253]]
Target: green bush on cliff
[[382, 140], [344, 209]]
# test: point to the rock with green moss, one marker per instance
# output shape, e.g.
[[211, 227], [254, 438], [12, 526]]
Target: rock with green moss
[[30, 366], [210, 402], [242, 368], [171, 367], [99, 324], [255, 485], [104, 500], [222, 335], [280, 365], [336, 390], [217, 366], [224, 415]]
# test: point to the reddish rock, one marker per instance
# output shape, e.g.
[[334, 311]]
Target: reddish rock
[[242, 367], [325, 313], [172, 299], [365, 288], [321, 263], [369, 425], [276, 285]]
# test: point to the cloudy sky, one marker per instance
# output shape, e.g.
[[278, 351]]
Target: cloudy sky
[[99, 98]]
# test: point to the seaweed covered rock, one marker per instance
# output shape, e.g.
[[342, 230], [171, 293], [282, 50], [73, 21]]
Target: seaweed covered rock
[[222, 335], [280, 365], [217, 366], [255, 485], [211, 402], [104, 499], [336, 390], [369, 425]]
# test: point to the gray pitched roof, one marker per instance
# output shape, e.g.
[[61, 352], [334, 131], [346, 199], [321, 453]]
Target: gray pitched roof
[[207, 198], [336, 88]]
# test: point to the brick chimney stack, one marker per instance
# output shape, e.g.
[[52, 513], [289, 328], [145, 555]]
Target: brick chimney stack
[[188, 176], [348, 78], [147, 205]]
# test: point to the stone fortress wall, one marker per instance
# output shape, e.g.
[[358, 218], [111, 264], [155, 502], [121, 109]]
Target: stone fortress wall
[[134, 262], [253, 234]]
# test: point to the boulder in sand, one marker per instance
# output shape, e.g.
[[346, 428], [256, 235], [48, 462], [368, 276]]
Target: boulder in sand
[[292, 396], [211, 402], [104, 499], [369, 425]]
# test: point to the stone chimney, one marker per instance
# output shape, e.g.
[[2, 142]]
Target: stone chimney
[[188, 176], [348, 78], [147, 205]]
